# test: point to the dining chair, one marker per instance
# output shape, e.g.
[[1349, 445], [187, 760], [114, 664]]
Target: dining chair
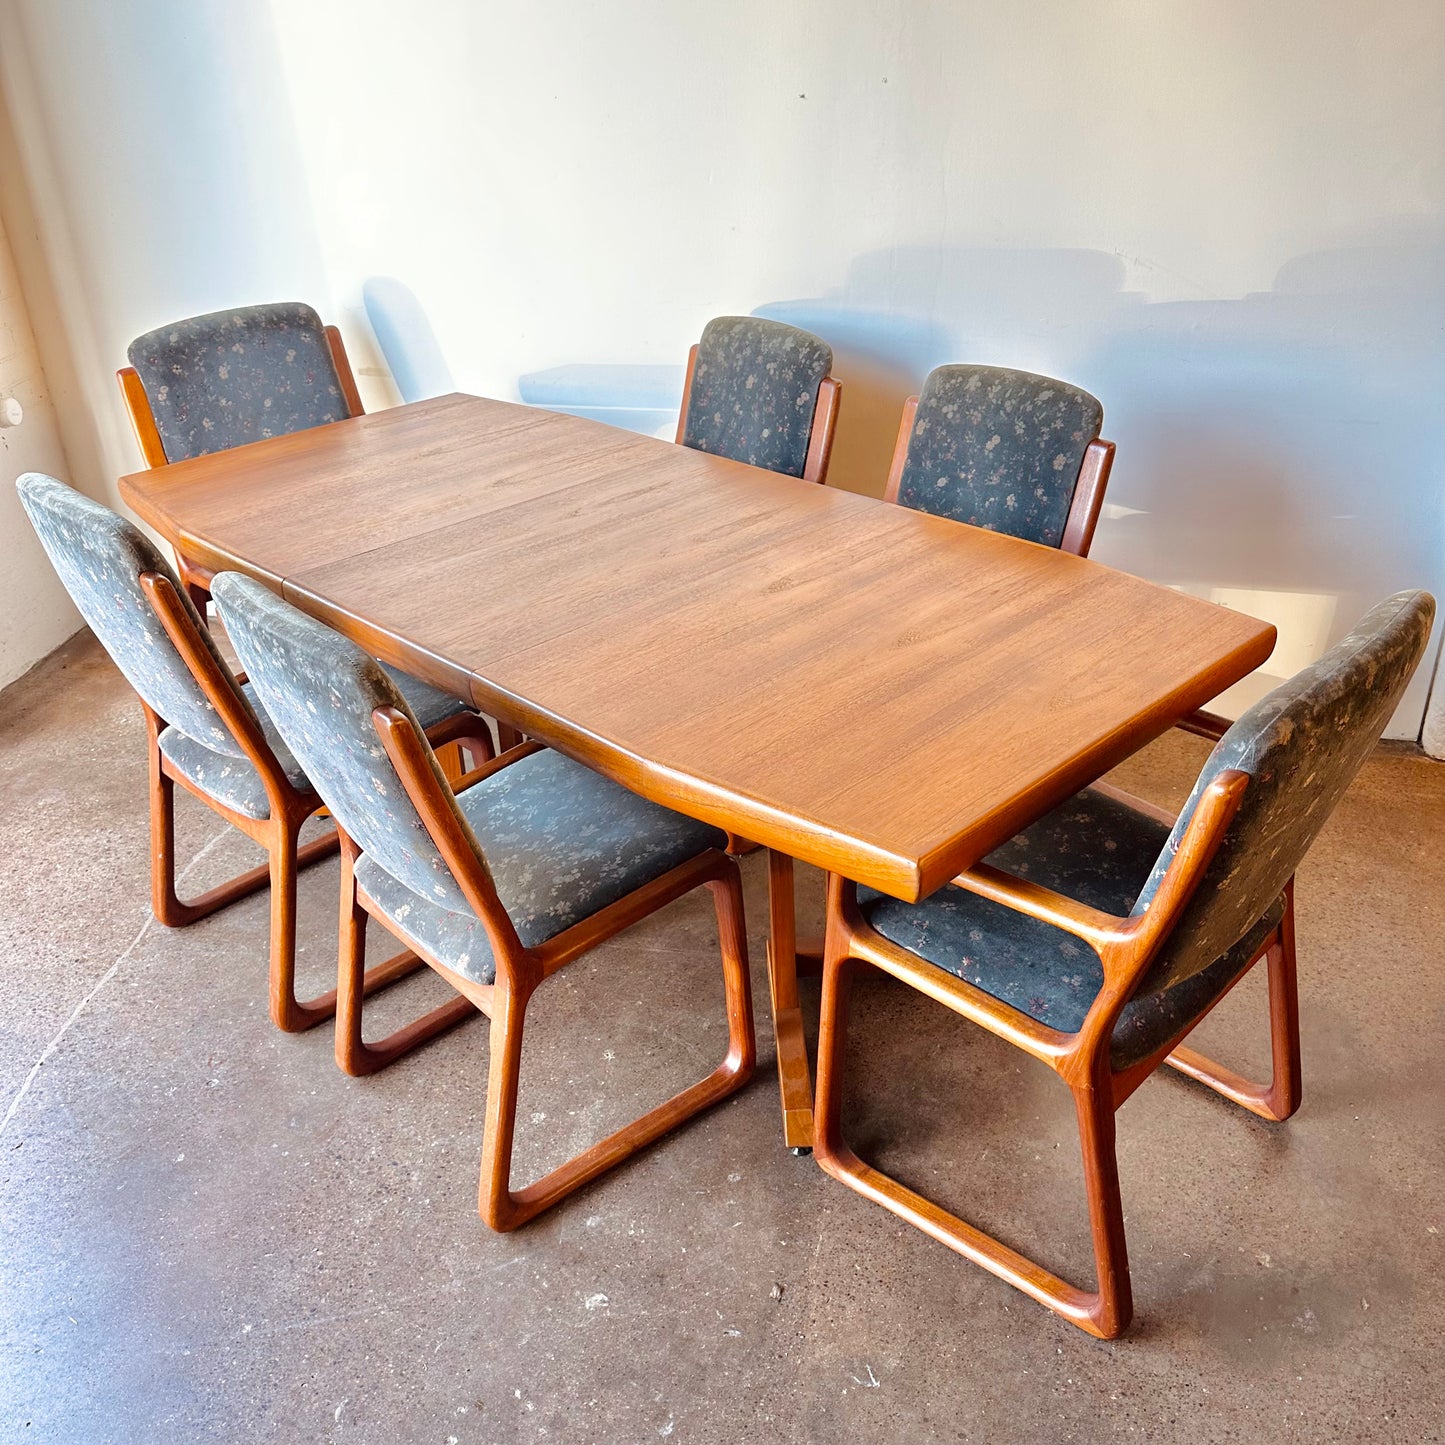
[[530, 863], [1007, 450], [204, 727], [1099, 937], [209, 383], [760, 392]]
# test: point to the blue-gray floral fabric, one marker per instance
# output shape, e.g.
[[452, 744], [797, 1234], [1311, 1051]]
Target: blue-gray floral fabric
[[232, 377], [1092, 848], [999, 449], [321, 690], [229, 778], [566, 842], [754, 391], [99, 556], [233, 782], [1301, 746], [562, 843]]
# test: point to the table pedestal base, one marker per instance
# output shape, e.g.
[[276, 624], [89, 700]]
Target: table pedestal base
[[786, 959]]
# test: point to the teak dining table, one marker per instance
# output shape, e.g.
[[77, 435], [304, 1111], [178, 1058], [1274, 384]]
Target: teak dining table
[[879, 692]]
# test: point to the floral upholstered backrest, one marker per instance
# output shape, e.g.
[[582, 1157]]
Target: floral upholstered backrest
[[232, 377], [1301, 746], [321, 690], [999, 449], [100, 557], [754, 391]]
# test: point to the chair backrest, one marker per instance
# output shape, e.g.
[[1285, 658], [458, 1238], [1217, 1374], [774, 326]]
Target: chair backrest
[[232, 377], [753, 392], [999, 449], [321, 690], [1301, 746], [100, 557]]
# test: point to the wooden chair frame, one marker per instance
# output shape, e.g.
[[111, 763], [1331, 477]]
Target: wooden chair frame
[[1126, 947], [278, 833], [794, 1075], [820, 437], [197, 579], [1089, 487], [520, 971]]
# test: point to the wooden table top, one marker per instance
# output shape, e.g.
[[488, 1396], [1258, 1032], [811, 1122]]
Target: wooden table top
[[864, 687]]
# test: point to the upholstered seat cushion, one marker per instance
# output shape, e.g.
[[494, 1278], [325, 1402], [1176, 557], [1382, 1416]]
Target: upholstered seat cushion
[[1099, 851], [234, 783], [561, 842]]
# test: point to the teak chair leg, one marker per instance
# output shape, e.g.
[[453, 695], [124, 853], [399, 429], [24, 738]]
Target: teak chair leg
[[355, 983], [278, 873], [286, 1012], [1280, 1098], [504, 1209], [285, 859], [1109, 1310], [167, 905], [289, 1013], [504, 1080], [1104, 1312]]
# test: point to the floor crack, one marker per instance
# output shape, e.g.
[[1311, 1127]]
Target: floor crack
[[100, 983]]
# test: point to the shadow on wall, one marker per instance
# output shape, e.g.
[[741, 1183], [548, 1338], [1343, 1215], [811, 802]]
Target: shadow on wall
[[901, 312], [1278, 452], [637, 398], [407, 341]]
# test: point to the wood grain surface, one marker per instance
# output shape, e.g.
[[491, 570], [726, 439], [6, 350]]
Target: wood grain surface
[[882, 693]]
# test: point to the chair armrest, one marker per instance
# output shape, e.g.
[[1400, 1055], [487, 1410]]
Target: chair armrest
[[1125, 966], [495, 765], [435, 803], [1098, 929], [1125, 945]]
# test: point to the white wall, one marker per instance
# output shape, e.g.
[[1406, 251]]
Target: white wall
[[36, 615], [1224, 217], [161, 164]]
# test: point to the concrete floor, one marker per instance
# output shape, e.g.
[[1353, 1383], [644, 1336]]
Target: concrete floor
[[210, 1234]]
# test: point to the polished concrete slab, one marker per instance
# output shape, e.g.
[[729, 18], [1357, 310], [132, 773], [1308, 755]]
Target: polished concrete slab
[[210, 1234]]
